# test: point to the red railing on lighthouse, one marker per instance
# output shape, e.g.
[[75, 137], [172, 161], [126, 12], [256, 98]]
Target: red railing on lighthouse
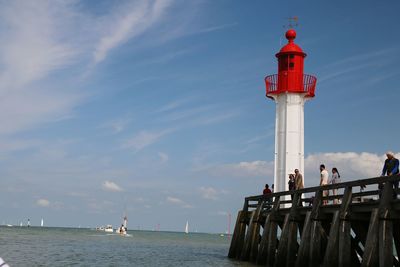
[[308, 86]]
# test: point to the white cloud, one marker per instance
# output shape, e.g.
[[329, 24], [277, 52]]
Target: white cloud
[[351, 165], [208, 193], [43, 202], [245, 169], [178, 202], [163, 157], [117, 125], [31, 49], [144, 139], [111, 186], [128, 23]]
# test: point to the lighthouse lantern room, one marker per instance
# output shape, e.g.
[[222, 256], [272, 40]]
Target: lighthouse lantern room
[[290, 89]]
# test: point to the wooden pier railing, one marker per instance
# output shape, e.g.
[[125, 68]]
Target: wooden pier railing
[[362, 229]]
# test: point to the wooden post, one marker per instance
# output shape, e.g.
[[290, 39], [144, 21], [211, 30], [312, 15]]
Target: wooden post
[[241, 234], [272, 243], [303, 252], [235, 236], [344, 230], [263, 248], [385, 235], [287, 249], [245, 252], [370, 256], [315, 245], [255, 233], [332, 248], [396, 237]]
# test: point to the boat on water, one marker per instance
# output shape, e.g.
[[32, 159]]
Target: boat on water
[[122, 230], [41, 223], [109, 229], [187, 227]]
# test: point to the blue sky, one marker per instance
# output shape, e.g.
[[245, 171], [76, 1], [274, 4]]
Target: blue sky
[[158, 108]]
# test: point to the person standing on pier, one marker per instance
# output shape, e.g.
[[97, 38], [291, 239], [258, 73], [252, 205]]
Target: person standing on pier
[[324, 181], [335, 180], [298, 182], [391, 167], [291, 184], [266, 190]]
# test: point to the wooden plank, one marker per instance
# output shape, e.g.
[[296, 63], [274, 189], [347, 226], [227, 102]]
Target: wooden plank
[[370, 256], [286, 243], [245, 253], [396, 236], [263, 248], [241, 235], [315, 246], [344, 229], [385, 234], [293, 245], [344, 244], [303, 252], [332, 248], [234, 240], [255, 234], [385, 243], [272, 243], [280, 259]]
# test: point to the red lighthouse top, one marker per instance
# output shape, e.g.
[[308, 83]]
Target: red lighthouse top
[[290, 77]]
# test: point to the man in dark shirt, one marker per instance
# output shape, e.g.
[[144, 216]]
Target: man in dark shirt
[[391, 167], [267, 191]]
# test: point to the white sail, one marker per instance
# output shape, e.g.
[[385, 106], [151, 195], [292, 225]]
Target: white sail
[[41, 223], [187, 227]]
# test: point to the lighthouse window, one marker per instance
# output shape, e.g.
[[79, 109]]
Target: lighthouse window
[[291, 56], [291, 65], [283, 64]]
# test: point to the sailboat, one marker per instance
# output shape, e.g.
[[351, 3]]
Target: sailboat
[[187, 227], [123, 229], [41, 223]]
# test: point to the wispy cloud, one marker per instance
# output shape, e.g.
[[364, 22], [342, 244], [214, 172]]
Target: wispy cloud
[[32, 49], [43, 202], [144, 139], [111, 186], [163, 157], [247, 169], [178, 202], [117, 125], [133, 20], [208, 193], [342, 67], [217, 28]]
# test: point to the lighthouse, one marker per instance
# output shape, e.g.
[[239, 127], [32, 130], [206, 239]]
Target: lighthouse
[[290, 89]]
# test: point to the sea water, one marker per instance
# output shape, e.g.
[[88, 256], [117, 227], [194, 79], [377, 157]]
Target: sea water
[[47, 246]]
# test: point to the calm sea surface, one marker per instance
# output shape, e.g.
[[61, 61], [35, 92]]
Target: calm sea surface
[[36, 246]]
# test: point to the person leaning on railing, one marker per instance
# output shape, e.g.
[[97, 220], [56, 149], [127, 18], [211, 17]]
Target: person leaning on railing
[[390, 167]]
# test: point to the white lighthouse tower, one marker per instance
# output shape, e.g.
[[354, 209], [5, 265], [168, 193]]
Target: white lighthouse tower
[[290, 89]]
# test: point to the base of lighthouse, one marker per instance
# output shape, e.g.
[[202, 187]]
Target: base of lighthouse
[[289, 138]]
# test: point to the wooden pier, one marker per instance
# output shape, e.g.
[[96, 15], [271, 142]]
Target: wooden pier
[[362, 229]]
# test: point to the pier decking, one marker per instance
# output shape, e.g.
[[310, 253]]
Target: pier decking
[[362, 230]]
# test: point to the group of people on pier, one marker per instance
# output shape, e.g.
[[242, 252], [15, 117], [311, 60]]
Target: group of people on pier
[[390, 167]]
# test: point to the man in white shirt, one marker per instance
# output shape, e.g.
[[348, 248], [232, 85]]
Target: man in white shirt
[[324, 181]]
